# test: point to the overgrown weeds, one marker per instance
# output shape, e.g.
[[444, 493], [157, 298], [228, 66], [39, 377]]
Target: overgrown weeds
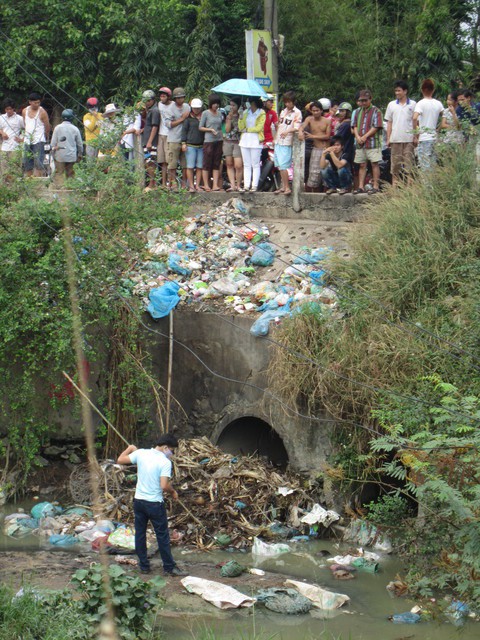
[[109, 214]]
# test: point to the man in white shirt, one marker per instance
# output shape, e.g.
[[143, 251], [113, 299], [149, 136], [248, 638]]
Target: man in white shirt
[[399, 119], [11, 128], [154, 470], [425, 120]]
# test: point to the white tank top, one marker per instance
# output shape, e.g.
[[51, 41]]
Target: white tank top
[[34, 128]]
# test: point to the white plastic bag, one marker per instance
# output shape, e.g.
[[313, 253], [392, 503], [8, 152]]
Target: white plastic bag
[[320, 598], [220, 595], [266, 550]]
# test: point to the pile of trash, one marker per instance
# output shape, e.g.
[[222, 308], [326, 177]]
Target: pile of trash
[[74, 525], [222, 257], [227, 501]]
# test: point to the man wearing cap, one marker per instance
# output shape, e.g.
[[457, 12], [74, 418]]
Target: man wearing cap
[[164, 103], [367, 129], [92, 122], [399, 119], [67, 147], [344, 130], [150, 134], [110, 132], [175, 116]]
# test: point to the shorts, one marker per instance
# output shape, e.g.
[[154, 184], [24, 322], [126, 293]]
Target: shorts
[[162, 150], [231, 149], [212, 156], [194, 157], [362, 155], [33, 156], [283, 156], [402, 156], [175, 155]]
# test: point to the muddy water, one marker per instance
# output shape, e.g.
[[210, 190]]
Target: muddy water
[[365, 617]]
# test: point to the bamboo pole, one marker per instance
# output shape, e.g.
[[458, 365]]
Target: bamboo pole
[[170, 368]]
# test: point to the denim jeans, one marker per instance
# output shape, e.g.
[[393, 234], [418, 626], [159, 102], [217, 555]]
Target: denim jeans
[[157, 514], [426, 155], [341, 179]]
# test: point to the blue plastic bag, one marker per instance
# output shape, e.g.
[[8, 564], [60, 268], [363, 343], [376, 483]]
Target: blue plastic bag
[[174, 265], [62, 540], [261, 326], [264, 255], [405, 618], [44, 510], [163, 299], [318, 277]]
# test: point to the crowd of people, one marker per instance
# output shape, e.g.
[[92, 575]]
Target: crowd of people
[[177, 138]]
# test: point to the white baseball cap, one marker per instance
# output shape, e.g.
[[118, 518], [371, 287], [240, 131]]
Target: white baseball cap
[[196, 103]]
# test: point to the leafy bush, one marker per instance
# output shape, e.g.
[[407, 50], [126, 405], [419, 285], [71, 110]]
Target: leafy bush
[[135, 601], [388, 511]]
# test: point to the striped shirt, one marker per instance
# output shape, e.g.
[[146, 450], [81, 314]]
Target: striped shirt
[[365, 119]]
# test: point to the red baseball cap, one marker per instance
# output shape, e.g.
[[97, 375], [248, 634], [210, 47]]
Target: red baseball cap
[[92, 102]]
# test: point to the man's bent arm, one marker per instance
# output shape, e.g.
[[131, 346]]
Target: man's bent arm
[[124, 458], [167, 487]]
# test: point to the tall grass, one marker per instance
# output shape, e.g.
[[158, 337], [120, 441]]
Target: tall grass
[[416, 257]]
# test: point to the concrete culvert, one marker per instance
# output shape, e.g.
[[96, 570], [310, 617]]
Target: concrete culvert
[[250, 435]]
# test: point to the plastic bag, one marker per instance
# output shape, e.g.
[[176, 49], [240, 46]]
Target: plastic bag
[[319, 514], [225, 286], [287, 601], [320, 598], [405, 618], [231, 569], [264, 255], [266, 550], [44, 510], [261, 326], [220, 595], [59, 540], [122, 537], [174, 265], [163, 300]]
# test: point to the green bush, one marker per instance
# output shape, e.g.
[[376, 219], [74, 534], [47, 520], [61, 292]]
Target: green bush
[[134, 600]]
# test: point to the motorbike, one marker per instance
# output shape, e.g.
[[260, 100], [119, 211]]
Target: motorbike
[[269, 175]]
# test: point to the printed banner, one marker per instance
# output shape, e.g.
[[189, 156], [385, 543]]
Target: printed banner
[[259, 58]]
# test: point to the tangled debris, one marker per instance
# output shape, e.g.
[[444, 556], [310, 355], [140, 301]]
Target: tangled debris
[[224, 500]]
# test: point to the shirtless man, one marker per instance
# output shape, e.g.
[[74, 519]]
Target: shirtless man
[[317, 129], [37, 128]]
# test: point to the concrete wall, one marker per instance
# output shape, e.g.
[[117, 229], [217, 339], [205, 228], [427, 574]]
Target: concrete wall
[[315, 206], [212, 402]]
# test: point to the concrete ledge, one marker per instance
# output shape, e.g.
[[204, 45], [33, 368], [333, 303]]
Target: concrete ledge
[[315, 206]]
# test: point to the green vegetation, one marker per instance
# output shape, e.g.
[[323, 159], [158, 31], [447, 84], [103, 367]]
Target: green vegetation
[[135, 601], [109, 217], [55, 615], [114, 48], [408, 318]]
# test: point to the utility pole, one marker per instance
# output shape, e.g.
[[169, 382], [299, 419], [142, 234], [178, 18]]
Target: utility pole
[[270, 22]]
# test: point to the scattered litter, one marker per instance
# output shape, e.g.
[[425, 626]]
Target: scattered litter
[[397, 587], [222, 257], [320, 598], [284, 491], [256, 572], [63, 540], [44, 510], [126, 560], [286, 601], [220, 595], [350, 558]]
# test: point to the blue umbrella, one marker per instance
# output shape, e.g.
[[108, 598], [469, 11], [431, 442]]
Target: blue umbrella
[[241, 87]]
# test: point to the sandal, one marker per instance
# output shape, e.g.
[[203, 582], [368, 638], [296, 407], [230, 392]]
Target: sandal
[[230, 189], [330, 191], [374, 191], [357, 191], [279, 191], [288, 192]]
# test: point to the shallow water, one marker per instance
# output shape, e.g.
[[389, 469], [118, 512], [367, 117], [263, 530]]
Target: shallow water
[[363, 618]]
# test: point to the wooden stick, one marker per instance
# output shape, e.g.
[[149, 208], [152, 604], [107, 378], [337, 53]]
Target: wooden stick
[[94, 407], [170, 367]]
